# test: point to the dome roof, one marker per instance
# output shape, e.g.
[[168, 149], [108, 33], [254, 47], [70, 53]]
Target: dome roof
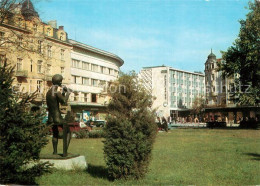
[[211, 55], [28, 10]]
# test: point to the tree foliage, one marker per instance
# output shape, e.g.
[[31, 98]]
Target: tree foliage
[[243, 57], [198, 105], [22, 134], [131, 129]]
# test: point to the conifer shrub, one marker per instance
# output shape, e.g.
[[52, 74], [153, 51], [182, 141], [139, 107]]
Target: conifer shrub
[[22, 134], [131, 129], [96, 134]]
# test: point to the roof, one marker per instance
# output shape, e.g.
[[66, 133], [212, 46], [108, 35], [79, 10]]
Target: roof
[[28, 10], [211, 55], [171, 68], [96, 50]]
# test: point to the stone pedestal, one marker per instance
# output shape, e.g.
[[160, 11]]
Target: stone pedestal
[[66, 163]]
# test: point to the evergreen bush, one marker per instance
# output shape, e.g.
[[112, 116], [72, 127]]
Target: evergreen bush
[[131, 129], [96, 134], [81, 134], [22, 134]]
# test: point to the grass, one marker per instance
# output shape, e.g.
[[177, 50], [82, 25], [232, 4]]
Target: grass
[[181, 157]]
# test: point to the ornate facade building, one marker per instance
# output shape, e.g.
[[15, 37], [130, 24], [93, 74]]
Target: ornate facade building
[[221, 97], [40, 50], [219, 89], [36, 49]]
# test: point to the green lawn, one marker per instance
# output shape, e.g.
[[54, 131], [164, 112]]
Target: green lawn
[[182, 156]]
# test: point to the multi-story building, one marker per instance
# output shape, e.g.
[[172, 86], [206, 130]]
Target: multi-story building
[[91, 70], [39, 50], [174, 90], [36, 49], [221, 95], [219, 89]]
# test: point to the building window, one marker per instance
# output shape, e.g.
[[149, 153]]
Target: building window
[[35, 27], [94, 82], [212, 65], [48, 70], [94, 68], [85, 65], [213, 78], [39, 86], [49, 51], [62, 54], [85, 97], [61, 36], [102, 69], [39, 66], [62, 71], [85, 81], [20, 21], [93, 98], [19, 65], [76, 96], [40, 46], [110, 71], [48, 31], [19, 40], [75, 63], [31, 65]]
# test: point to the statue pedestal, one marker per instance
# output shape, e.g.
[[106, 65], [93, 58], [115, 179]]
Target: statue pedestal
[[70, 162]]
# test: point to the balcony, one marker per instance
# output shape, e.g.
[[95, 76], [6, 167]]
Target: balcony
[[21, 73]]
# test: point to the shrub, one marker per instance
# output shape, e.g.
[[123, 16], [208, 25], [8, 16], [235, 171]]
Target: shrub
[[81, 134], [130, 130], [96, 134], [22, 134]]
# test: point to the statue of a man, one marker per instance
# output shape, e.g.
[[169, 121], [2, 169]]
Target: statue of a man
[[54, 99]]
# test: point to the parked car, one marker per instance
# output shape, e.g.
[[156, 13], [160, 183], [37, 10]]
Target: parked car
[[96, 123], [74, 127]]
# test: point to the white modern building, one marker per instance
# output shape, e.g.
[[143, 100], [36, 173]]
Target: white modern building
[[91, 70], [174, 90]]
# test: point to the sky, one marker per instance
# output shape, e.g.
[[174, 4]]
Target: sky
[[176, 33]]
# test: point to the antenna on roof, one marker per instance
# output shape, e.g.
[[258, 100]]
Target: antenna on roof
[[211, 50]]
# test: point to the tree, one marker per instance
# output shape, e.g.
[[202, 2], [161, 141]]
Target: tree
[[243, 58], [198, 105], [22, 134], [131, 129]]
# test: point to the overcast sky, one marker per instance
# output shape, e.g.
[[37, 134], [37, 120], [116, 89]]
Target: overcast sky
[[176, 33]]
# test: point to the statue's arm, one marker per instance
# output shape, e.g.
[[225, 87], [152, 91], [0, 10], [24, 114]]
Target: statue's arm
[[63, 98]]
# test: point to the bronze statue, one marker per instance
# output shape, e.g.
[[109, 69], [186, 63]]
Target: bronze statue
[[54, 98]]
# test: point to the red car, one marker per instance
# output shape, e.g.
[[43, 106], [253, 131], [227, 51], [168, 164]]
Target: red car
[[74, 127]]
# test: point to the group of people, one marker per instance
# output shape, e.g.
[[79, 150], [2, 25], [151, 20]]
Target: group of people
[[162, 124]]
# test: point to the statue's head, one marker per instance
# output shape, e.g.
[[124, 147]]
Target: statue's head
[[57, 79]]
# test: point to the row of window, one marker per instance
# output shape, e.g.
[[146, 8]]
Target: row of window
[[208, 66], [40, 47], [93, 97], [49, 50], [40, 68], [188, 83], [194, 78], [87, 81], [93, 67]]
